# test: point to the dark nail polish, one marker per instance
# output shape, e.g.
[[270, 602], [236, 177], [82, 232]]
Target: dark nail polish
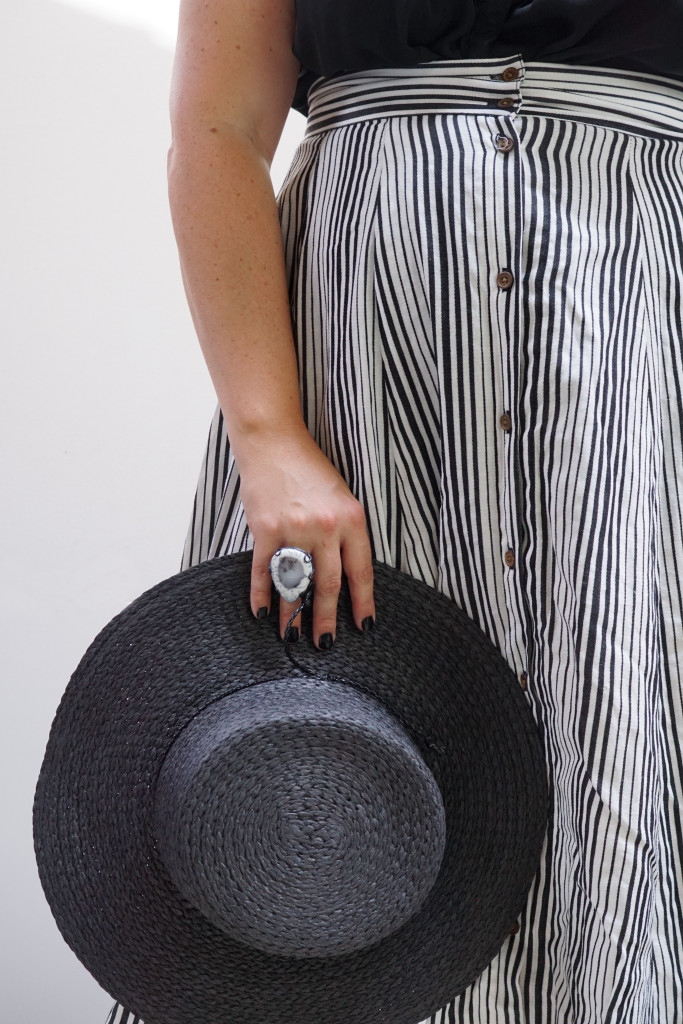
[[325, 641], [262, 612], [368, 623], [293, 634]]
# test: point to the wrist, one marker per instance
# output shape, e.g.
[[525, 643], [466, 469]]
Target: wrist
[[266, 435]]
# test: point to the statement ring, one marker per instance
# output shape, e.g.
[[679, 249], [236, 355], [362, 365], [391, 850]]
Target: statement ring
[[292, 572]]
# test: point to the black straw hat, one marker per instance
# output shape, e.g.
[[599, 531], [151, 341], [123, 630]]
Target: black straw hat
[[223, 837]]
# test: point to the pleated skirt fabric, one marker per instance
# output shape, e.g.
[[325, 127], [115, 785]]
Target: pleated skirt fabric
[[484, 262]]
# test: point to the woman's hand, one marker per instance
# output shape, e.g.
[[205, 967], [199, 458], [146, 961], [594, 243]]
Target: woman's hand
[[293, 496]]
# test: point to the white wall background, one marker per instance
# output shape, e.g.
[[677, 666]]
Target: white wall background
[[105, 402]]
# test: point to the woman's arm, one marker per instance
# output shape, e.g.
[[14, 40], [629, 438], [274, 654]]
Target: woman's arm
[[234, 80]]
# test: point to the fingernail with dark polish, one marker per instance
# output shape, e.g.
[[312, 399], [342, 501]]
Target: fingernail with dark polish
[[293, 635], [325, 641], [368, 623], [262, 612]]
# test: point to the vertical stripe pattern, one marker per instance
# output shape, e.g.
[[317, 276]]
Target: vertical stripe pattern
[[484, 261]]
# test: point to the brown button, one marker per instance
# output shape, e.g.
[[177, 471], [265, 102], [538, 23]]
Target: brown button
[[523, 680], [514, 929], [506, 422], [510, 558], [503, 143], [507, 101], [505, 279], [510, 74]]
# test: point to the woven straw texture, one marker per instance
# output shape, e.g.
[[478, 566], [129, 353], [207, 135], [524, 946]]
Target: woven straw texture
[[403, 909]]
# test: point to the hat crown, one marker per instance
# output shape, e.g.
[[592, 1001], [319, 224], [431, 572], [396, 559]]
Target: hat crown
[[299, 817]]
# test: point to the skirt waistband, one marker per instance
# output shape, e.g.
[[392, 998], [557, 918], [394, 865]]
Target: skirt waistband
[[629, 101]]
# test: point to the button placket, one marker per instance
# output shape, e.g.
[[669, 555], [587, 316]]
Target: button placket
[[509, 313], [515, 541]]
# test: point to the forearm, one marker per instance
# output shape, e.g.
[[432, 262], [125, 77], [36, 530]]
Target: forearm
[[227, 229]]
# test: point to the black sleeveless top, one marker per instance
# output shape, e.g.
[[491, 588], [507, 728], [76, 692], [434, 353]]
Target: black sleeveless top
[[337, 36]]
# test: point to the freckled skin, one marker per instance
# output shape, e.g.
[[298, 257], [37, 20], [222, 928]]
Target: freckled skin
[[227, 226]]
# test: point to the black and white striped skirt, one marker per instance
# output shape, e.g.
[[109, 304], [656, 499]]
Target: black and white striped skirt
[[485, 264]]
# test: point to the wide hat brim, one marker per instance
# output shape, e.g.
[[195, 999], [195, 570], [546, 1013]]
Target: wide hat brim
[[188, 642]]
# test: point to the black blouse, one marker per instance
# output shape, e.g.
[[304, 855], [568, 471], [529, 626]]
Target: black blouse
[[337, 36]]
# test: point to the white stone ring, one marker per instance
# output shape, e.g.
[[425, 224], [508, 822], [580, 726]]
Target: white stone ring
[[292, 572]]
